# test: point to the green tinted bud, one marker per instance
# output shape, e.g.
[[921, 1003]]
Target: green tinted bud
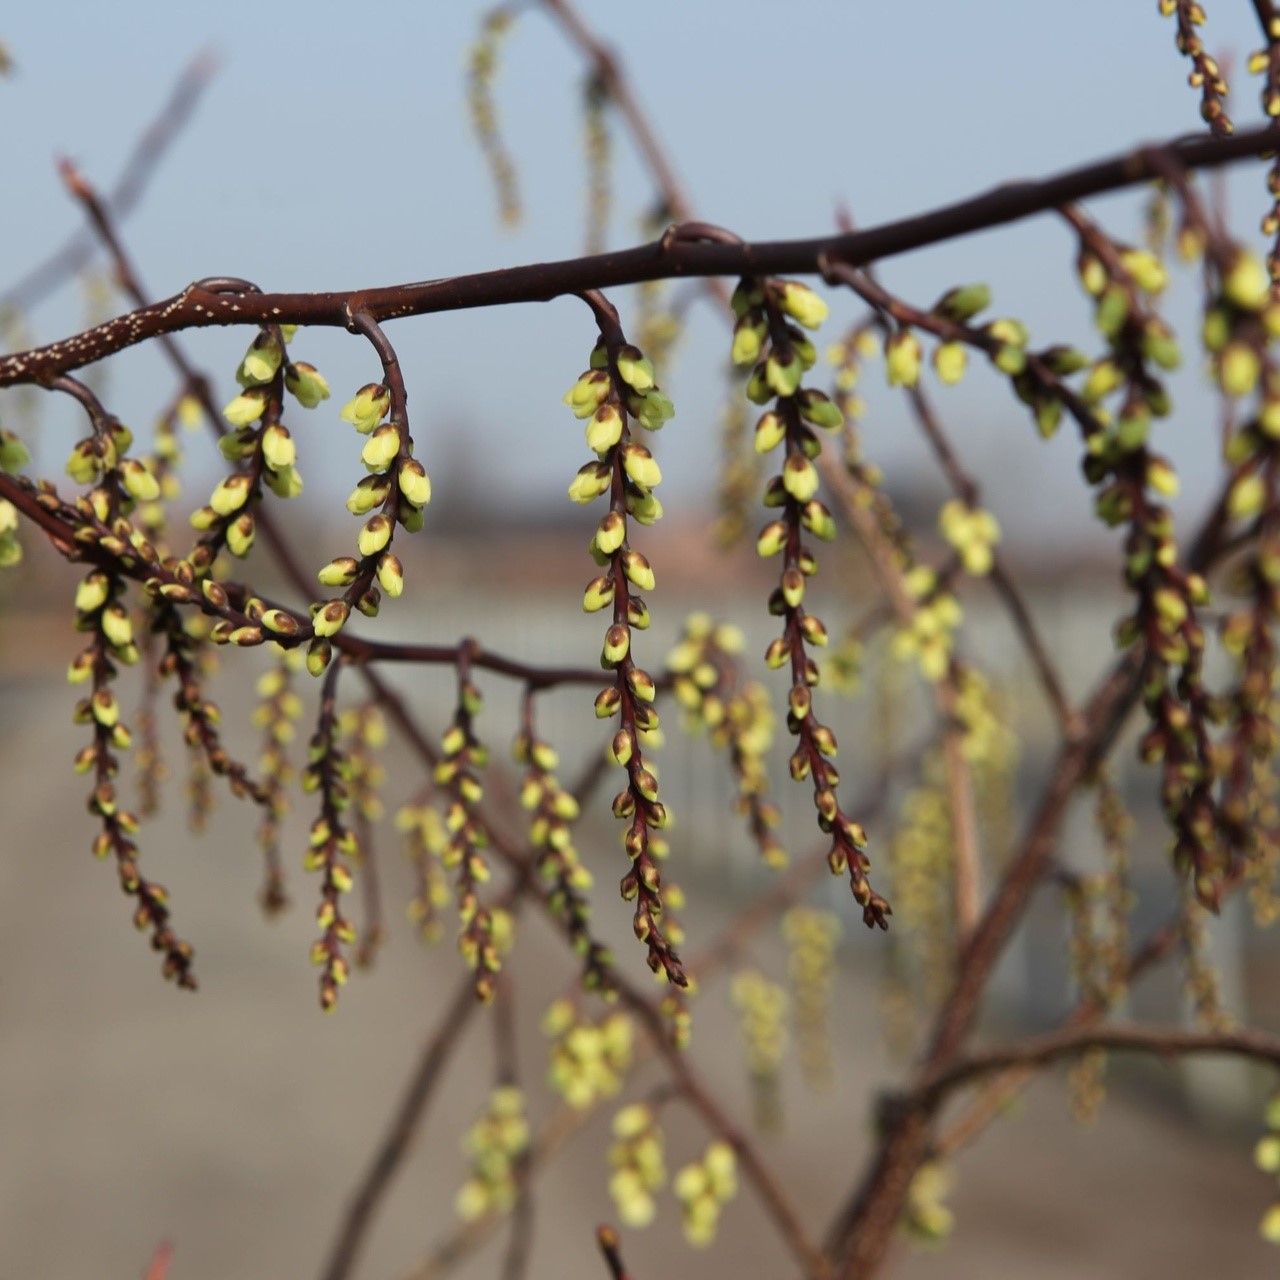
[[381, 448], [1162, 478], [773, 537], [611, 534], [962, 304], [1238, 369], [1247, 496], [367, 407], [278, 447], [607, 702], [82, 464], [818, 520], [1063, 360], [280, 622], [770, 432], [604, 430], [238, 444], [319, 652], [230, 495], [285, 483], [1103, 379], [641, 685], [374, 536], [339, 573], [13, 453], [635, 369], [93, 592], [391, 575], [652, 410], [783, 372], [139, 483], [801, 303], [599, 594], [748, 338], [643, 506], [747, 294], [637, 569], [306, 384], [800, 477], [1146, 269], [261, 361], [247, 407], [588, 393], [617, 644], [902, 358], [240, 535], [949, 360], [639, 464], [821, 410], [369, 493], [591, 481], [1009, 359], [1246, 282], [331, 618], [1160, 346], [414, 482], [1048, 417], [1112, 310], [104, 708]]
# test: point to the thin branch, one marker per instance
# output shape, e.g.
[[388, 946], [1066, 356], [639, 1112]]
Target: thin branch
[[201, 305], [1040, 1050]]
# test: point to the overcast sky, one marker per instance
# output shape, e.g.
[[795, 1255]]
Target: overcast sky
[[333, 150]]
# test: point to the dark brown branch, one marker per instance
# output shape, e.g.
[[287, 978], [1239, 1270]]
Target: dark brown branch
[[200, 305]]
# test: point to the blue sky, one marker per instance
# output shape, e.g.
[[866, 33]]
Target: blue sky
[[333, 150]]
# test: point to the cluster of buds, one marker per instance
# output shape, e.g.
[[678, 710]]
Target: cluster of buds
[[494, 1145], [425, 840], [101, 613], [636, 1157], [262, 447], [1205, 74], [1266, 1155], [737, 716], [929, 635], [811, 937], [780, 354], [553, 810], [1131, 482], [394, 492], [703, 1189], [332, 847], [463, 755], [184, 661], [588, 1060], [973, 532], [762, 1028], [277, 714], [617, 389]]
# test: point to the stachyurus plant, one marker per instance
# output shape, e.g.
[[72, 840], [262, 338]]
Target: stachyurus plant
[[943, 872]]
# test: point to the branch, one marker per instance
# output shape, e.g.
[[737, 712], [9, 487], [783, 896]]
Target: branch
[[1038, 1051], [198, 306]]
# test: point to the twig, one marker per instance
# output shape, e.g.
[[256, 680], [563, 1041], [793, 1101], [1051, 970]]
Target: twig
[[199, 306]]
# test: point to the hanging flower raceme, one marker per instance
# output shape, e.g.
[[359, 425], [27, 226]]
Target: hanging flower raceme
[[616, 390], [780, 354]]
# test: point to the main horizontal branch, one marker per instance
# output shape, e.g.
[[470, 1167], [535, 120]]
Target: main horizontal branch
[[220, 303]]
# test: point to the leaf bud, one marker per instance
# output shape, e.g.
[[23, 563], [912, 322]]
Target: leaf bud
[[962, 304]]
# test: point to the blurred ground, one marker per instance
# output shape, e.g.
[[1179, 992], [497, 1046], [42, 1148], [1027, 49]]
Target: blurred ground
[[235, 1121]]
